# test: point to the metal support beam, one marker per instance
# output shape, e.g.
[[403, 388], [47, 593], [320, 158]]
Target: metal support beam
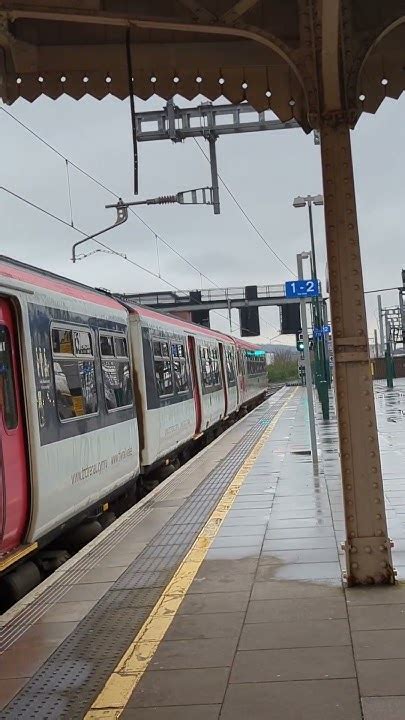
[[368, 548], [208, 121], [177, 124]]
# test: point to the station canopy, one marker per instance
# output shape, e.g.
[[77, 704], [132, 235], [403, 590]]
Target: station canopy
[[299, 58]]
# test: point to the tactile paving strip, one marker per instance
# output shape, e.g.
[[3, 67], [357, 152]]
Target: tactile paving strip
[[11, 630], [73, 676]]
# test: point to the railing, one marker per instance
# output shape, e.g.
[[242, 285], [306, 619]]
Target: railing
[[206, 296]]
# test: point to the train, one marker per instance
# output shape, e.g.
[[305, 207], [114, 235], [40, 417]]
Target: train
[[99, 397]]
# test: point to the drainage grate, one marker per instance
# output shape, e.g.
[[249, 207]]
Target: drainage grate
[[72, 677]]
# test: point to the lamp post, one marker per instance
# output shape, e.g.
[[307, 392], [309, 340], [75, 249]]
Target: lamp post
[[322, 375], [310, 200], [307, 360]]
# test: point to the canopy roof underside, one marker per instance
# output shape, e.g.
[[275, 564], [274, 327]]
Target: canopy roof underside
[[300, 58]]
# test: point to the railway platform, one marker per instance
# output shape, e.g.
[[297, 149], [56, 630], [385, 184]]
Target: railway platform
[[220, 595]]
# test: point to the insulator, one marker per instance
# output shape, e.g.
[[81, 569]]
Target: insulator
[[163, 200]]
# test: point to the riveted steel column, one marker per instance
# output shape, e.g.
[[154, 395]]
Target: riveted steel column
[[368, 549]]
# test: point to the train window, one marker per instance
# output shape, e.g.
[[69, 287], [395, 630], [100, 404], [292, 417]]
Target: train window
[[82, 343], [75, 377], [106, 345], [230, 366], [117, 383], [216, 376], [76, 391], [210, 368], [206, 367], [116, 372], [180, 367], [7, 390], [121, 347], [256, 364], [62, 341], [163, 369]]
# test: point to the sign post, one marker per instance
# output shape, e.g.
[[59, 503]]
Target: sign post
[[303, 289]]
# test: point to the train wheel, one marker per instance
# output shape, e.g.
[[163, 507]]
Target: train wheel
[[81, 535], [107, 519], [18, 583], [165, 471]]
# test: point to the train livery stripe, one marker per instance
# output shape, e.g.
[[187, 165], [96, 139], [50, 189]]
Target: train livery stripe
[[119, 687], [48, 281]]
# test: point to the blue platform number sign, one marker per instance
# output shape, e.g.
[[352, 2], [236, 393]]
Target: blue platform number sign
[[302, 288], [318, 332]]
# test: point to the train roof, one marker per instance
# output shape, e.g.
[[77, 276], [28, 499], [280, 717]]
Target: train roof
[[29, 274], [147, 312]]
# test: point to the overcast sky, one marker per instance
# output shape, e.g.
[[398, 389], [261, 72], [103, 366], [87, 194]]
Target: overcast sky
[[264, 171]]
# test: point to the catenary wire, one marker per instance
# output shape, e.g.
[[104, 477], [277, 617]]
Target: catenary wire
[[244, 213], [114, 194], [124, 256]]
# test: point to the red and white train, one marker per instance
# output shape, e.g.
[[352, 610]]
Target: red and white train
[[97, 394]]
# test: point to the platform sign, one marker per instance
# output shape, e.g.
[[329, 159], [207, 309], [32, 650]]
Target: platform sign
[[302, 288], [320, 331]]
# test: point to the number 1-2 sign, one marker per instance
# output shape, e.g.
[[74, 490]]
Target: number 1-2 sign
[[302, 288]]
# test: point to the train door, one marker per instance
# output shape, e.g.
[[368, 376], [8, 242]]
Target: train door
[[194, 376], [13, 470], [2, 501], [224, 376], [236, 370]]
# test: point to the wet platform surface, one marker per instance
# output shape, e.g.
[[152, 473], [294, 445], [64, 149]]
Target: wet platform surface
[[261, 626]]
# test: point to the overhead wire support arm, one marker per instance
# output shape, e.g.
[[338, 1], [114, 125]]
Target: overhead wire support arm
[[122, 216], [196, 196]]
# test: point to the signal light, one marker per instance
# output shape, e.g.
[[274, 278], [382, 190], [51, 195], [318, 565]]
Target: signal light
[[300, 343]]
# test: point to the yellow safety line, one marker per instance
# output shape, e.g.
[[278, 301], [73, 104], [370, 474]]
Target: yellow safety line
[[119, 687]]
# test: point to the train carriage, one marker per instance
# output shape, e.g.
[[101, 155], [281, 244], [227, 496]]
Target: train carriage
[[185, 378], [68, 424], [95, 393], [252, 372]]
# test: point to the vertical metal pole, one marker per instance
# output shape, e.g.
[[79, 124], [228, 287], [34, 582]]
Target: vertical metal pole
[[401, 311], [311, 231], [376, 353], [214, 172], [326, 341], [388, 354], [381, 324], [387, 331], [308, 372], [367, 548], [230, 316], [321, 371]]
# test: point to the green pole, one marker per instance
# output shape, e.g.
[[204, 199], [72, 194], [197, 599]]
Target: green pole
[[390, 366]]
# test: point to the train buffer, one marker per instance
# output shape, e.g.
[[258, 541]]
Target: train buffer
[[220, 595]]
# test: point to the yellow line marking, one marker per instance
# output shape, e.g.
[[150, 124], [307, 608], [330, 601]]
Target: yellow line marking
[[119, 687]]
